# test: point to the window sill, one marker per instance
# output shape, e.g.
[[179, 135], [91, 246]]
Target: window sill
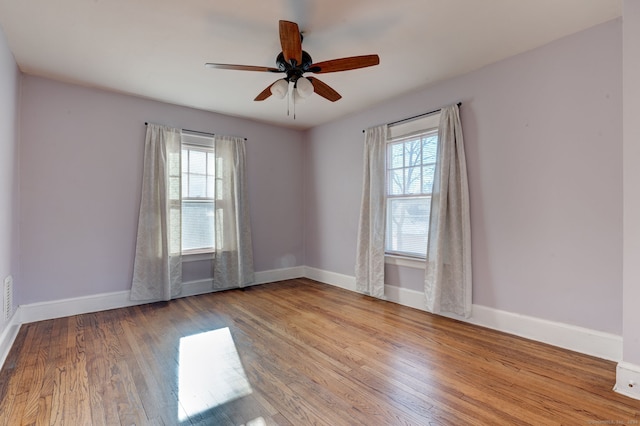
[[408, 262], [196, 256]]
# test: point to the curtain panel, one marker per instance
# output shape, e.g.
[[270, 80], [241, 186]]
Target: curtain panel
[[371, 230], [448, 263], [157, 270], [233, 263]]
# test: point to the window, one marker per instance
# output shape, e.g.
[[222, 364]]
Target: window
[[198, 203], [411, 158]]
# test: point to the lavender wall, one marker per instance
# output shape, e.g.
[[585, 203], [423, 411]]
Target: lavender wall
[[544, 147], [544, 150], [81, 168], [631, 271], [9, 183]]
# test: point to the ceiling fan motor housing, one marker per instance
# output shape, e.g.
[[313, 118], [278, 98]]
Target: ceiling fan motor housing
[[294, 71]]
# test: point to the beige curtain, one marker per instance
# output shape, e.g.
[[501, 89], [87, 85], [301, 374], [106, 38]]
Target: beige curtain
[[157, 270], [448, 264], [371, 229], [233, 263]]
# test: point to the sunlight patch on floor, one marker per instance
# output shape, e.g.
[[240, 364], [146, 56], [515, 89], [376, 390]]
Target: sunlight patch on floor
[[210, 372]]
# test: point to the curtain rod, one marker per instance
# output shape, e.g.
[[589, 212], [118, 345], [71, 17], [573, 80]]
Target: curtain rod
[[194, 131], [416, 116]]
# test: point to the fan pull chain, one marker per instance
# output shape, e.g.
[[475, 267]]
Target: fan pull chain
[[293, 98], [289, 98]]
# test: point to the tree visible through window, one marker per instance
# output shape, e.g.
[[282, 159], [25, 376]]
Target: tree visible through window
[[410, 171], [198, 203]]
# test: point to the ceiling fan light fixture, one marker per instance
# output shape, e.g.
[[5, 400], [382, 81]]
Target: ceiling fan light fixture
[[304, 87], [298, 98], [280, 88]]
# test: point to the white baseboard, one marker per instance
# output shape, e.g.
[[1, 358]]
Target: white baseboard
[[8, 336], [584, 340], [264, 277], [101, 302], [338, 280], [74, 306], [628, 380], [579, 339]]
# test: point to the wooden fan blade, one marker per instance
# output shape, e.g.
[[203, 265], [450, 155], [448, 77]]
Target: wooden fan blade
[[345, 64], [241, 67], [264, 94], [291, 41], [324, 90]]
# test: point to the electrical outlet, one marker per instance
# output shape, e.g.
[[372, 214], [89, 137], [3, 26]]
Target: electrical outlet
[[8, 298]]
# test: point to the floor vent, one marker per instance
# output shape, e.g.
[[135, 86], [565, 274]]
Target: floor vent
[[8, 298]]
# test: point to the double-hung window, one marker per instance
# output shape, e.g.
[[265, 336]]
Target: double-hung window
[[198, 194], [411, 157]]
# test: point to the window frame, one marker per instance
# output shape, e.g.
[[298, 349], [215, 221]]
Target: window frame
[[200, 143], [402, 133]]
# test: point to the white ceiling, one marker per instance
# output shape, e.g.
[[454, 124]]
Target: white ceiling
[[157, 48]]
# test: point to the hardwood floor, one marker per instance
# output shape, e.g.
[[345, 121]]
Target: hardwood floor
[[296, 353]]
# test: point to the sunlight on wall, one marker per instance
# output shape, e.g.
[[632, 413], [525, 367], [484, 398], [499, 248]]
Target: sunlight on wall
[[210, 373]]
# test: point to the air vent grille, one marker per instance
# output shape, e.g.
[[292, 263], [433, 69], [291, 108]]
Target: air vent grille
[[8, 298]]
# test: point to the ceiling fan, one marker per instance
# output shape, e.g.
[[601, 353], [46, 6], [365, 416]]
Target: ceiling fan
[[294, 62]]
